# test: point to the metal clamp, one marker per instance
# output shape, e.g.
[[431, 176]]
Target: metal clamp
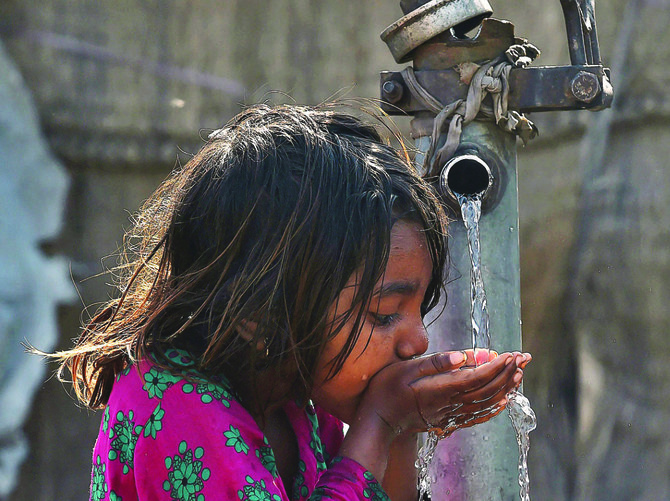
[[437, 50]]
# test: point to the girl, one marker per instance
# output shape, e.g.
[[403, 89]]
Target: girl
[[275, 288]]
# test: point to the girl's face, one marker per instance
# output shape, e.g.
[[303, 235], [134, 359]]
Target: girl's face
[[393, 324]]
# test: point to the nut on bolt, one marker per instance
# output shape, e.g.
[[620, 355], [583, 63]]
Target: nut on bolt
[[392, 91], [585, 86]]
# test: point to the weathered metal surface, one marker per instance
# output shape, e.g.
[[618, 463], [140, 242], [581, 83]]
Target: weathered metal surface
[[580, 25], [447, 50], [431, 19], [542, 88], [393, 91], [550, 88], [478, 463], [573, 26], [583, 85]]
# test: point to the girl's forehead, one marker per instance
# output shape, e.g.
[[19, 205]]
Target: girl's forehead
[[408, 258]]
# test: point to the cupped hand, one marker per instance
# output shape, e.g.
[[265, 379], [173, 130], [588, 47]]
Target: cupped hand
[[443, 391]]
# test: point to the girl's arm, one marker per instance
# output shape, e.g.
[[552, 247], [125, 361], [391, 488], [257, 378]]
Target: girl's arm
[[401, 475], [386, 456]]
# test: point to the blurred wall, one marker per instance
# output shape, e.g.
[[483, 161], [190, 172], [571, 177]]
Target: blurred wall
[[120, 86]]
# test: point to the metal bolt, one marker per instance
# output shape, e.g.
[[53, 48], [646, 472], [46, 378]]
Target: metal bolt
[[393, 91], [585, 86]]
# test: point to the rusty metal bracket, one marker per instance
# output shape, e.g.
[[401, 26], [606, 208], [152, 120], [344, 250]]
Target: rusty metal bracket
[[585, 84], [542, 88]]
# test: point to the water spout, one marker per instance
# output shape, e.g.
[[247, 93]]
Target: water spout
[[473, 170], [466, 175]]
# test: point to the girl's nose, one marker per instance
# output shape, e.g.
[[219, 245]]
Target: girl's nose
[[413, 342]]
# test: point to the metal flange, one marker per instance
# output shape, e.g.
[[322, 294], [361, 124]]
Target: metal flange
[[431, 19]]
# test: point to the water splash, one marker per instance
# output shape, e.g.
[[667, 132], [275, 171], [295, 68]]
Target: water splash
[[425, 457], [523, 421]]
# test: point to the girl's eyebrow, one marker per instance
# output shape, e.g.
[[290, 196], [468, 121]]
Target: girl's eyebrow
[[404, 288]]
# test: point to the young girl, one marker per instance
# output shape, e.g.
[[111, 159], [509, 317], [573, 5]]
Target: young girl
[[276, 288]]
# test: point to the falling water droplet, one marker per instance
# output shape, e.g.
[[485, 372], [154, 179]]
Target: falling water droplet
[[523, 421], [426, 454]]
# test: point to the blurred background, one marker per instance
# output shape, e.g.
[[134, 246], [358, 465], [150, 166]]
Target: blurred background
[[100, 100]]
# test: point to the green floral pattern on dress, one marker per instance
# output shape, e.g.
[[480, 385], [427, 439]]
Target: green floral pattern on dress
[[319, 494], [256, 491], [124, 435], [299, 487], [98, 484], [186, 475], [180, 357], [105, 419], [235, 440], [154, 423], [210, 392], [267, 458], [315, 442], [113, 496], [373, 490], [156, 381]]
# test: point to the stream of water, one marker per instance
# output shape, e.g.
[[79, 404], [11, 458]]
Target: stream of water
[[520, 413]]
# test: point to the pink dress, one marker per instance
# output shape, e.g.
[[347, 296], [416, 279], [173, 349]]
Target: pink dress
[[166, 437]]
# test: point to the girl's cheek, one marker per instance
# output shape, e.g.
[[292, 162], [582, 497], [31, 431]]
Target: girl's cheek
[[364, 377]]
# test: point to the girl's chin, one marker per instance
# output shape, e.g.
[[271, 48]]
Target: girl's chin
[[344, 411]]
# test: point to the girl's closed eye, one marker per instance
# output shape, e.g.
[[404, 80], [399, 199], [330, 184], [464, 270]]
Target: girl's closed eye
[[380, 320]]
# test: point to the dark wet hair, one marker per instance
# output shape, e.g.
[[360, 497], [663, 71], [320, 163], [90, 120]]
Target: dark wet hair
[[251, 242]]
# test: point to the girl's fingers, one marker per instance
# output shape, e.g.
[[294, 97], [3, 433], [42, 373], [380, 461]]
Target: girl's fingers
[[465, 420], [472, 387], [470, 379], [469, 396], [479, 356], [482, 417], [438, 363], [507, 379]]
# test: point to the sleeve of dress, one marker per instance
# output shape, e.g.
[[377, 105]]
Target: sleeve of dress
[[345, 478]]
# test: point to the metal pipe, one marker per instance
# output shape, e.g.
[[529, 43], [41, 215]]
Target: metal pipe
[[481, 462], [573, 27]]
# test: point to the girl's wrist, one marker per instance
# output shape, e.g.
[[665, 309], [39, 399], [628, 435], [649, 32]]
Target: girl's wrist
[[400, 479], [368, 442]]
